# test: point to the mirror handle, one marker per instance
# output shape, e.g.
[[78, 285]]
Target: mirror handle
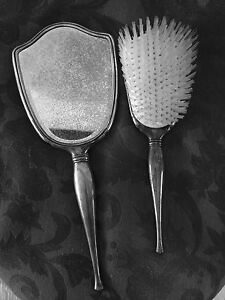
[[84, 190]]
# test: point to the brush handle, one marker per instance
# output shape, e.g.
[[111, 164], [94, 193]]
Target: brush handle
[[84, 190], [156, 168]]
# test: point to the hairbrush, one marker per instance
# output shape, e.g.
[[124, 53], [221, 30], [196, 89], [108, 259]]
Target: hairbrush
[[158, 64]]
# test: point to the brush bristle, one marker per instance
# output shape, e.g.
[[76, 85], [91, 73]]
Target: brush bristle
[[158, 64]]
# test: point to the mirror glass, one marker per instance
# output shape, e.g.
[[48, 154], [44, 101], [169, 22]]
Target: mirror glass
[[68, 80]]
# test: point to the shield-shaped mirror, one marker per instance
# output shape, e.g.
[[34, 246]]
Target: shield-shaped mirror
[[67, 79]]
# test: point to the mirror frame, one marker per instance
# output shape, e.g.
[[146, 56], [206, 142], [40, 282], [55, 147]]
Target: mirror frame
[[26, 102]]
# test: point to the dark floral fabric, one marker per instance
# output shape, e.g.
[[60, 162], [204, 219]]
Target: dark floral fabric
[[43, 248]]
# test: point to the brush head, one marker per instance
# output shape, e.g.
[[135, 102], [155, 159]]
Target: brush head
[[158, 64]]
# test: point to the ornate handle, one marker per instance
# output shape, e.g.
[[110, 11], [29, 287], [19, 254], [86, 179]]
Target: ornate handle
[[84, 190], [156, 178]]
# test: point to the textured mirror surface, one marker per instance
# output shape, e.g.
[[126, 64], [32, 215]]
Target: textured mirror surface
[[68, 79]]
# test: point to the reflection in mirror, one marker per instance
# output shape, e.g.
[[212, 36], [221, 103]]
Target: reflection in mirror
[[67, 78]]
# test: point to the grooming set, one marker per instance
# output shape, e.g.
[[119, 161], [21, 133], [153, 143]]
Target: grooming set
[[67, 79]]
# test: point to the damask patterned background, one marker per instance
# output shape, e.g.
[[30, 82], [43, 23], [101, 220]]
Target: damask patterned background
[[43, 248]]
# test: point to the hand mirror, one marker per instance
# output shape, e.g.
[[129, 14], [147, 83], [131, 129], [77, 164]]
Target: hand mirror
[[67, 79]]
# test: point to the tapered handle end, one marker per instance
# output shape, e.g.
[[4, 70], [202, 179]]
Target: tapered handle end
[[159, 249], [98, 285]]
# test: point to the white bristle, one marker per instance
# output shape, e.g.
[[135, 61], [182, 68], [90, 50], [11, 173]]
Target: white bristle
[[158, 65]]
